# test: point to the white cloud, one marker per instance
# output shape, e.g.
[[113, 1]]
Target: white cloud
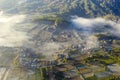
[[88, 27], [9, 36]]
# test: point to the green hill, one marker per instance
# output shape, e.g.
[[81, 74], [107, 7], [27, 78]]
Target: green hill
[[84, 8]]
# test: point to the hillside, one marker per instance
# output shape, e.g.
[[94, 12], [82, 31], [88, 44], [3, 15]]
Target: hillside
[[85, 8]]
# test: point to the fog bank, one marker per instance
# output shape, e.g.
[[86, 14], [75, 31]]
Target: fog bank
[[9, 36], [91, 26]]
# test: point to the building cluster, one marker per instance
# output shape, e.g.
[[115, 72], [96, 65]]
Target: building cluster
[[76, 70], [31, 60], [72, 66]]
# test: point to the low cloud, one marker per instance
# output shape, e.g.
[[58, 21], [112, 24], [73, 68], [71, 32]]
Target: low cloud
[[89, 27], [94, 23], [9, 36]]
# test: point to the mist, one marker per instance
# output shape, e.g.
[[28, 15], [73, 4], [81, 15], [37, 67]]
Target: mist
[[9, 36], [91, 26]]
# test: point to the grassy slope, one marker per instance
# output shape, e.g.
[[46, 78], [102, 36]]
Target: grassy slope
[[72, 7]]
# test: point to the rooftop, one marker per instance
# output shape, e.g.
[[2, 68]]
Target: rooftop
[[102, 75], [70, 74], [63, 67], [114, 68], [77, 78], [96, 68]]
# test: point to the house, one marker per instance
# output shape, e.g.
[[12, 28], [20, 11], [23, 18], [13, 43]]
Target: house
[[114, 69], [59, 69], [97, 68], [77, 78], [70, 74], [80, 66], [84, 70], [102, 75], [63, 67], [65, 71], [88, 74]]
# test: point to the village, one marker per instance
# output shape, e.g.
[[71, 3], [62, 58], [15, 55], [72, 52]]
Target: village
[[72, 63], [101, 63]]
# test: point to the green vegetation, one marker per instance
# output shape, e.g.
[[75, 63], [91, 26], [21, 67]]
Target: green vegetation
[[110, 17], [105, 60], [54, 18], [91, 78], [84, 8], [116, 54], [74, 51], [16, 60]]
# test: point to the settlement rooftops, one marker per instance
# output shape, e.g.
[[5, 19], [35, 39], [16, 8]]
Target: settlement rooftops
[[114, 68], [70, 74], [102, 75], [64, 67]]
